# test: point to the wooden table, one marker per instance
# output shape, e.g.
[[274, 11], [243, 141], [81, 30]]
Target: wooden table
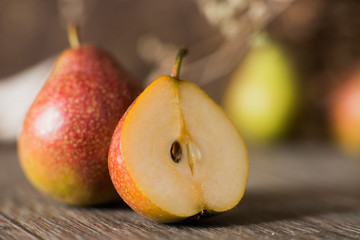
[[294, 192]]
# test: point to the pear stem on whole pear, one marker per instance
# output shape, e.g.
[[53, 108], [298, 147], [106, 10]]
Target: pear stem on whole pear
[[175, 73], [73, 36]]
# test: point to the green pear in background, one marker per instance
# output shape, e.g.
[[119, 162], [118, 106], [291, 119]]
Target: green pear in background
[[262, 97]]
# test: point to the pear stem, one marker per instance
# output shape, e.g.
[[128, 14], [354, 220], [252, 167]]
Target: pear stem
[[73, 36], [175, 73]]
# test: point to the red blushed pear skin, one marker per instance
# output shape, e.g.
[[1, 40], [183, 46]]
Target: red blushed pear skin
[[63, 146], [345, 114], [175, 154]]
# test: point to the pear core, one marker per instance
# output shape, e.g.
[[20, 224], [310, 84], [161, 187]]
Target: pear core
[[212, 171]]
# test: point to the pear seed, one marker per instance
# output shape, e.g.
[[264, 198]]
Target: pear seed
[[175, 151]]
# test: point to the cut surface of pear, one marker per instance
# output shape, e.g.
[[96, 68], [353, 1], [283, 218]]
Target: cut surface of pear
[[181, 150]]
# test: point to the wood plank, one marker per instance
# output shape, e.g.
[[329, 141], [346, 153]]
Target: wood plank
[[289, 196], [12, 230]]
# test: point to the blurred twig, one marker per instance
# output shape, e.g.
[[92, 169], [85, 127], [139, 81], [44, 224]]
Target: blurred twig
[[75, 11], [236, 20], [239, 19]]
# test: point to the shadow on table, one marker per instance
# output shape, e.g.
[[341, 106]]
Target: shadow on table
[[262, 207], [116, 204]]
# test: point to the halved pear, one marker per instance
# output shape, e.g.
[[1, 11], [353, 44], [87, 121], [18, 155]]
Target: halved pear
[[175, 154]]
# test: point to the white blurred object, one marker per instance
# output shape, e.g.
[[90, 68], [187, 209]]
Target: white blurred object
[[17, 93]]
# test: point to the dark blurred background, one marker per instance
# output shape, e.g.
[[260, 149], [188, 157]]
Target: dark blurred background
[[321, 37]]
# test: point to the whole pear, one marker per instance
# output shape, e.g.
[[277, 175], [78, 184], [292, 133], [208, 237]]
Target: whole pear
[[262, 96], [345, 113], [64, 143]]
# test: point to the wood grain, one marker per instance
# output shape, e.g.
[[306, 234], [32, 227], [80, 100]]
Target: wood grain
[[293, 193]]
